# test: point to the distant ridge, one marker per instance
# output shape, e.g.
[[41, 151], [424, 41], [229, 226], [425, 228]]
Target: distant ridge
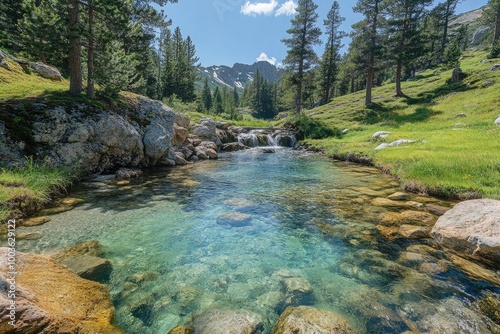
[[239, 75]]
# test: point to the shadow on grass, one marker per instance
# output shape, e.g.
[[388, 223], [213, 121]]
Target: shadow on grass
[[428, 96], [379, 114]]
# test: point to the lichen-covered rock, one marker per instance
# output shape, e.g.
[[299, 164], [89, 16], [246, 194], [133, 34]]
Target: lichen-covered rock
[[139, 135], [472, 228], [308, 320], [127, 173], [46, 71], [52, 299], [227, 321]]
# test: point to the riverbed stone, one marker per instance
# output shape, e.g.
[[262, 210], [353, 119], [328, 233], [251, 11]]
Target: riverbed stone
[[308, 320], [399, 196], [408, 217], [415, 232], [240, 203], [436, 209], [434, 268], [472, 228], [180, 330], [476, 271], [52, 299], [35, 221], [127, 173], [29, 235], [490, 306], [234, 219], [89, 267], [227, 321], [385, 202]]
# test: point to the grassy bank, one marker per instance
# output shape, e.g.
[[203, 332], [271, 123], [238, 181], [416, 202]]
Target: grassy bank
[[458, 148], [28, 188]]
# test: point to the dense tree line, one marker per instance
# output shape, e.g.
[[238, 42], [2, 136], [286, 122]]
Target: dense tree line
[[223, 101], [261, 96], [109, 44], [394, 40]]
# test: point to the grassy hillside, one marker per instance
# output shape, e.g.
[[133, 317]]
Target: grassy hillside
[[455, 155]]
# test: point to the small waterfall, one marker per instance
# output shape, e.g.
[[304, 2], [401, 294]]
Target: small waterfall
[[258, 138], [248, 139]]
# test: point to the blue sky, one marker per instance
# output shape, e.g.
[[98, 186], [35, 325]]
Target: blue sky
[[241, 31]]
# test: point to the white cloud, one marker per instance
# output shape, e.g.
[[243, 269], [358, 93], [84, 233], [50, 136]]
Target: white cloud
[[264, 57], [288, 8], [259, 8]]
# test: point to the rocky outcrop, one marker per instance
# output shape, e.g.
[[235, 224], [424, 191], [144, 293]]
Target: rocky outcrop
[[52, 299], [398, 142], [472, 228], [227, 321], [306, 320]]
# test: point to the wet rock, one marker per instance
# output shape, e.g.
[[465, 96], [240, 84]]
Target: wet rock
[[408, 217], [201, 152], [268, 150], [90, 247], [414, 205], [52, 299], [436, 209], [471, 228], [490, 307], [54, 210], [127, 173], [142, 309], [180, 159], [234, 219], [298, 291], [212, 154], [227, 321], [140, 278], [414, 232], [232, 147], [35, 221], [83, 259], [28, 235], [240, 203], [180, 330], [388, 203], [434, 268], [90, 267], [475, 271], [399, 196], [308, 320], [389, 232]]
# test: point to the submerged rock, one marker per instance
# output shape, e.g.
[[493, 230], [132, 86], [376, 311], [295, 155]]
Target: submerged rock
[[52, 299], [308, 320], [35, 221], [127, 173], [472, 228], [234, 219], [228, 321]]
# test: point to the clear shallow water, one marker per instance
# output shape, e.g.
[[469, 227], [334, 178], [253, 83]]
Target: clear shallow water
[[310, 218]]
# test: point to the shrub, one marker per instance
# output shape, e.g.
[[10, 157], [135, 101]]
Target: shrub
[[314, 129]]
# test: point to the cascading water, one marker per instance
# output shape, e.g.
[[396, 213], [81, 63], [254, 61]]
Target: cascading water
[[257, 138]]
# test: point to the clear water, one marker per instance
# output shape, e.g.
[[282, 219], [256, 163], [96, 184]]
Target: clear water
[[310, 218]]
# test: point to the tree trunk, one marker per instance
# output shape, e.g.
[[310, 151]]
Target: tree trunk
[[496, 34], [90, 52], [75, 44], [399, 69], [445, 31], [369, 86]]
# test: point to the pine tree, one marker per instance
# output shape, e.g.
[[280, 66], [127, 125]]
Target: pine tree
[[331, 57], [191, 74], [452, 54], [218, 105], [206, 96], [11, 12], [300, 55], [236, 97], [492, 17], [405, 42], [448, 11], [367, 34]]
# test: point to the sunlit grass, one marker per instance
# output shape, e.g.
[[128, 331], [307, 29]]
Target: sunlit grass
[[27, 188], [455, 155], [16, 84]]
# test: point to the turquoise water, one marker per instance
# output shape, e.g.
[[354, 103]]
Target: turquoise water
[[306, 217]]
